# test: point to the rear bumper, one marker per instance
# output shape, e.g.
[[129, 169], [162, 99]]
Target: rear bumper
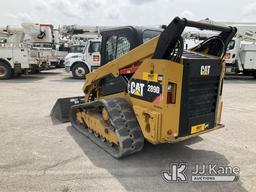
[[196, 134]]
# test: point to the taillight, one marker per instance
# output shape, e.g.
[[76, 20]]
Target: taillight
[[171, 95], [169, 132], [227, 56]]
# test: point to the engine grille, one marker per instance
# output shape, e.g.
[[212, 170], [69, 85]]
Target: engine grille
[[199, 93], [202, 96]]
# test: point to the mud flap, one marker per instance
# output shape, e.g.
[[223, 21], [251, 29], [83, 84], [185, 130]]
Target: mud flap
[[61, 109]]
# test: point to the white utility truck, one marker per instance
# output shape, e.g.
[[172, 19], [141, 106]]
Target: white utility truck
[[32, 47], [14, 53], [83, 58], [241, 51], [27, 48]]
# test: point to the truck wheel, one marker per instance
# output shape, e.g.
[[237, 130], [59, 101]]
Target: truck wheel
[[6, 71], [79, 71]]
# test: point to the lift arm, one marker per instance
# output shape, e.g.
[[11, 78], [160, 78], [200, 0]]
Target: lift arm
[[159, 48]]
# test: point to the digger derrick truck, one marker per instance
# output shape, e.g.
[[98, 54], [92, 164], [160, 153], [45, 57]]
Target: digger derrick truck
[[156, 92]]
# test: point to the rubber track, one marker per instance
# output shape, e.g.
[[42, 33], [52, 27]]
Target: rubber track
[[123, 121]]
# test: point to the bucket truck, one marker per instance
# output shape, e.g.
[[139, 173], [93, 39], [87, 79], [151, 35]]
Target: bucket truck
[[241, 51], [14, 53], [41, 38], [25, 48]]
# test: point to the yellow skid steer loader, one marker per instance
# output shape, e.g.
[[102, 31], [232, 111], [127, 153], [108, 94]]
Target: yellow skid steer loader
[[153, 89]]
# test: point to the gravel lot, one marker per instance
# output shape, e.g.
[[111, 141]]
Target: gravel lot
[[36, 155]]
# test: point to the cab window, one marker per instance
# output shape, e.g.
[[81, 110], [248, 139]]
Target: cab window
[[117, 46], [94, 47], [76, 49], [123, 46]]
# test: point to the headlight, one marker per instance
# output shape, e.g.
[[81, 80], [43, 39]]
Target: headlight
[[227, 56]]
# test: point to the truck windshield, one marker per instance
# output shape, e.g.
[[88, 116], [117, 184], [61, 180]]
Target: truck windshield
[[76, 49], [231, 45]]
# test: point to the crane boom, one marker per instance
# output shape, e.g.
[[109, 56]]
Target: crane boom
[[245, 31]]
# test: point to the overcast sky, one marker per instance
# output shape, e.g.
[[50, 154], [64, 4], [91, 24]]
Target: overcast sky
[[123, 12]]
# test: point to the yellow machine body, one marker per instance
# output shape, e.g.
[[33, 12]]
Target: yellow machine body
[[166, 94], [159, 121]]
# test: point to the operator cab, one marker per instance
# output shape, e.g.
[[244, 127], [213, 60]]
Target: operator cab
[[115, 43], [120, 40]]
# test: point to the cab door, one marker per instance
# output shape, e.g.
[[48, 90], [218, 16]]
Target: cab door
[[93, 55]]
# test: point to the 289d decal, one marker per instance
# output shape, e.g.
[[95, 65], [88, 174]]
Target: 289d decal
[[153, 89], [145, 90]]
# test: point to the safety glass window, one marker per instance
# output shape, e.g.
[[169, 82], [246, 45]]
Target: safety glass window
[[116, 47], [111, 48], [123, 46]]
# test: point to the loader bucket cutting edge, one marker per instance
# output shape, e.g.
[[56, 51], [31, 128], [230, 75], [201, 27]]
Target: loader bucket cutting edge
[[60, 110]]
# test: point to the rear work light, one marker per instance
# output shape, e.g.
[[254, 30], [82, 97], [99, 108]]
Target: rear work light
[[171, 95]]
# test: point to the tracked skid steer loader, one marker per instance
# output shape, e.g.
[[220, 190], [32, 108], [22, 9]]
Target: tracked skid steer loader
[[153, 89]]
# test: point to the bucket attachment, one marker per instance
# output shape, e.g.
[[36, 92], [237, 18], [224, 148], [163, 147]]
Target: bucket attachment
[[61, 109]]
